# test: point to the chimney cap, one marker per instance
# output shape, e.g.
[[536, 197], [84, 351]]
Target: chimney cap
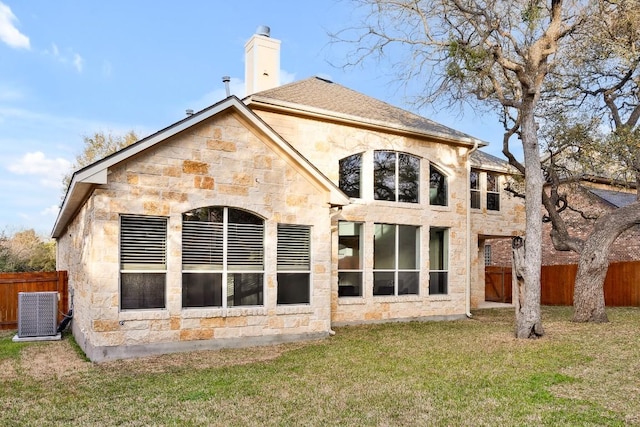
[[263, 30]]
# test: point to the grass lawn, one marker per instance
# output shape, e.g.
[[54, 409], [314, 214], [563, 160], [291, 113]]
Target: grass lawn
[[468, 372]]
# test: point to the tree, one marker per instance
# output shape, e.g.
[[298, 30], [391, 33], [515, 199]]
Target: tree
[[98, 146], [26, 251], [599, 82], [500, 53]]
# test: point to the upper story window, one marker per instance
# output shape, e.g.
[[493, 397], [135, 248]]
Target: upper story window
[[222, 258], [493, 192], [437, 187], [396, 176], [350, 175], [143, 262], [474, 186]]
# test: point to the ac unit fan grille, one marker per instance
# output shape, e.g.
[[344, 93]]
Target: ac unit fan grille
[[37, 314]]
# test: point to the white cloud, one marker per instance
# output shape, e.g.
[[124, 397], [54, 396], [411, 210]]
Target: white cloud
[[51, 211], [73, 58], [8, 93], [286, 77], [9, 34], [50, 171], [78, 62]]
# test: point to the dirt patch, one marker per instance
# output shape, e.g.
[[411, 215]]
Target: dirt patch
[[201, 359]]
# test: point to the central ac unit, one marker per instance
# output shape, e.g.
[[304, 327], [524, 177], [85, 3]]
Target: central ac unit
[[37, 314]]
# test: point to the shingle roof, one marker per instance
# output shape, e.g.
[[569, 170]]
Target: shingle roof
[[616, 198], [316, 95], [482, 160]]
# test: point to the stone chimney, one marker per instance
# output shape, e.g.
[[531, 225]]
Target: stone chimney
[[262, 61]]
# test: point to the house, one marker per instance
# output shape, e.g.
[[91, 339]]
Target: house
[[593, 196], [275, 218]]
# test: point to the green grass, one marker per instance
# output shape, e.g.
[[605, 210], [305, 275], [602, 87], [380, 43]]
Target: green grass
[[470, 372]]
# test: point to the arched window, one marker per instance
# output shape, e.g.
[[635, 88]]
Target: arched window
[[222, 258], [437, 187], [350, 175], [396, 176]]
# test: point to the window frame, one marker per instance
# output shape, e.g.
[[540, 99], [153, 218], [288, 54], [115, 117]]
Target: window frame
[[379, 177], [444, 194], [397, 269], [295, 262], [345, 184], [493, 191], [152, 259], [230, 271], [442, 261], [352, 272], [475, 192]]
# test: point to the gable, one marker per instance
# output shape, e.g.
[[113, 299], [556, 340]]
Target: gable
[[84, 181]]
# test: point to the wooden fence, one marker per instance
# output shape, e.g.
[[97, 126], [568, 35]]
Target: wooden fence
[[621, 286], [12, 283]]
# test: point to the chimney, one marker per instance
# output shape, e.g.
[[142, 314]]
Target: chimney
[[262, 61]]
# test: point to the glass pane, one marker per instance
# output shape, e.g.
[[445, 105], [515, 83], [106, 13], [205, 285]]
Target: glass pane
[[493, 201], [245, 246], [408, 283], [408, 249], [293, 288], [201, 289], [349, 284], [142, 290], [474, 183], [294, 247], [492, 182], [206, 214], [437, 249], [384, 247], [244, 289], [437, 188], [350, 172], [384, 175], [438, 282], [238, 216], [408, 178], [383, 283], [202, 245], [475, 199], [349, 244]]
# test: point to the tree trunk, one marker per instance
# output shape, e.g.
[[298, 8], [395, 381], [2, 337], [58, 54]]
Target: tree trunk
[[528, 315], [588, 298]]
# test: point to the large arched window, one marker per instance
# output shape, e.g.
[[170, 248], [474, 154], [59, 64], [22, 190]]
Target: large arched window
[[222, 258], [350, 175]]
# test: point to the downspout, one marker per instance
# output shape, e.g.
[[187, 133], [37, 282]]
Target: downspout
[[468, 278]]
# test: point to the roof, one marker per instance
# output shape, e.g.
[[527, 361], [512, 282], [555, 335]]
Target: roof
[[319, 97], [482, 160], [84, 180], [618, 199]]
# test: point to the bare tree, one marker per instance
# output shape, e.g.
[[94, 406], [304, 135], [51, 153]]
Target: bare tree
[[497, 51], [596, 130], [98, 146]]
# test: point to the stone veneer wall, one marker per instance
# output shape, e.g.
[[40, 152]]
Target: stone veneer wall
[[326, 143], [220, 163]]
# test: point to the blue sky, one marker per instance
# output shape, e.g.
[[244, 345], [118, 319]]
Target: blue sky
[[70, 68]]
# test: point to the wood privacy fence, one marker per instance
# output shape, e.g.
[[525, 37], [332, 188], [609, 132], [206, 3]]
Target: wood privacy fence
[[12, 283], [621, 286]]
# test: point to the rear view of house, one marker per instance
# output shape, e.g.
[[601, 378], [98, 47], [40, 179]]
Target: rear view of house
[[276, 217]]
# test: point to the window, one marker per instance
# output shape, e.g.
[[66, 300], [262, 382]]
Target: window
[[396, 176], [350, 173], [438, 261], [396, 259], [222, 258], [493, 192], [487, 254], [437, 187], [294, 264], [350, 259], [474, 185], [143, 262]]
